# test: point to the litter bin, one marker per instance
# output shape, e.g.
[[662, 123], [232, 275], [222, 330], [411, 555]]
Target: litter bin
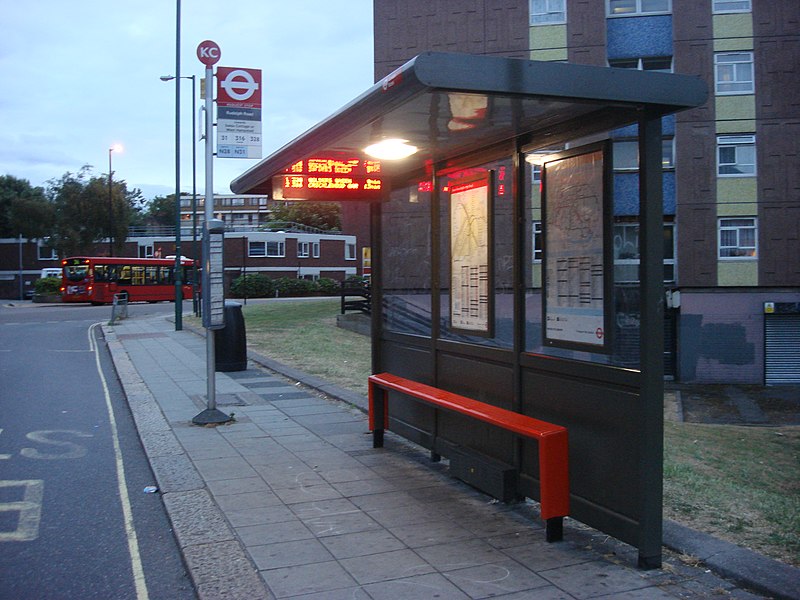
[[230, 344]]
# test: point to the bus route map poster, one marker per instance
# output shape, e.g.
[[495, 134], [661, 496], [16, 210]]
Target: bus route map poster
[[471, 304], [578, 276]]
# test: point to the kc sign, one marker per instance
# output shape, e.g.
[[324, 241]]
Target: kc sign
[[238, 113], [208, 52]]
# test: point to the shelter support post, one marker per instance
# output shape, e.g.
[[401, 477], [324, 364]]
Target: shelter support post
[[651, 341]]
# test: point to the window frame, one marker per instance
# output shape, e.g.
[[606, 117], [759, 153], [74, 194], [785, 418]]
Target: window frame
[[738, 229], [637, 11], [736, 81], [278, 248], [349, 251], [537, 241], [666, 142], [724, 11], [668, 263], [41, 252], [559, 20], [744, 141], [303, 249], [642, 62]]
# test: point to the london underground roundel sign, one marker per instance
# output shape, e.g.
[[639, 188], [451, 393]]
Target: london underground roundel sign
[[208, 52]]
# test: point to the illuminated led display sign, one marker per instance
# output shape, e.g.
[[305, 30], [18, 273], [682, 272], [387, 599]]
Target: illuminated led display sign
[[330, 178]]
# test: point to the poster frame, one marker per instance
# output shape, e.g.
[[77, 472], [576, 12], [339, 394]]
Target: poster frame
[[553, 179], [487, 180]]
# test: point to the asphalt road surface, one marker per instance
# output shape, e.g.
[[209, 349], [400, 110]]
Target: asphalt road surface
[[75, 519]]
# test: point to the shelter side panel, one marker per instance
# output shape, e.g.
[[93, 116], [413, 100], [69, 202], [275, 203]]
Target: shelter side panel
[[491, 383], [409, 418], [604, 448]]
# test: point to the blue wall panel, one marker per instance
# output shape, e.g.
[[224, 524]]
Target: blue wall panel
[[633, 37], [626, 194]]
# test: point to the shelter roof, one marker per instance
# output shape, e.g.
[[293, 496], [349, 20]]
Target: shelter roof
[[448, 105]]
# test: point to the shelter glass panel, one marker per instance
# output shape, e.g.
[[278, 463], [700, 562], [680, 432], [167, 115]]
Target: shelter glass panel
[[626, 293], [497, 278], [406, 247]]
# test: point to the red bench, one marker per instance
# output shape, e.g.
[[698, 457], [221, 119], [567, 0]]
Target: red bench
[[552, 439]]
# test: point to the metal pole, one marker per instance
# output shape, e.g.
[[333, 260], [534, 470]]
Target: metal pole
[[194, 197], [110, 209], [178, 265], [208, 209], [21, 271]]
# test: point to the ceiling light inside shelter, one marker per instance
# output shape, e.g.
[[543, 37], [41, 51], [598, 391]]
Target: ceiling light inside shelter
[[391, 149]]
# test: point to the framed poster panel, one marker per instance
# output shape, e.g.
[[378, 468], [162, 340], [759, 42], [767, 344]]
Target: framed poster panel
[[577, 254], [471, 269]]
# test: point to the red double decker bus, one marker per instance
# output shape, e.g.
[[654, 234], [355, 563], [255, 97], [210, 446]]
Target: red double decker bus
[[98, 279]]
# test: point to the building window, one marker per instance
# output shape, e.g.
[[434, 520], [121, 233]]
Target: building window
[[349, 251], [537, 241], [548, 12], [315, 249], [662, 64], [47, 253], [733, 73], [626, 252], [269, 249], [303, 249], [626, 154], [737, 238], [731, 6], [630, 8], [736, 155]]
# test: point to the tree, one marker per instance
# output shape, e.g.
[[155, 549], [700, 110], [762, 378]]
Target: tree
[[84, 213], [24, 209], [161, 211], [322, 215]]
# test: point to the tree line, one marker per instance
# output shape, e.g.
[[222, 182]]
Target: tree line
[[74, 212]]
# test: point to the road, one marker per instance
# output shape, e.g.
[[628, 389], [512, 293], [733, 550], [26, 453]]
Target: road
[[75, 520]]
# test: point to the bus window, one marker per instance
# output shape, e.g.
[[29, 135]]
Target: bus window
[[124, 275], [76, 272], [100, 273], [166, 275], [151, 275], [138, 275]]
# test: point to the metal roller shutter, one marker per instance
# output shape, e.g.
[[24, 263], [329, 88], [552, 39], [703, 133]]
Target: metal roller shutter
[[782, 348]]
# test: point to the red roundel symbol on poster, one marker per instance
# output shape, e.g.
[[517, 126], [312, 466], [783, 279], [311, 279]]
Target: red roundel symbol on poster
[[599, 333], [208, 52]]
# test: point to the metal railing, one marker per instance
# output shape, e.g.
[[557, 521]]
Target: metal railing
[[119, 308]]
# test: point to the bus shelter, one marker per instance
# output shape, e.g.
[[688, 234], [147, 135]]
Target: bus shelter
[[495, 270]]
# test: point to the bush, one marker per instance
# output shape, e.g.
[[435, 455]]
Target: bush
[[328, 286], [254, 285], [287, 286], [48, 286]]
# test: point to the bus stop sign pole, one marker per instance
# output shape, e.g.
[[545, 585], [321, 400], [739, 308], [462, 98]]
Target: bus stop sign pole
[[213, 236]]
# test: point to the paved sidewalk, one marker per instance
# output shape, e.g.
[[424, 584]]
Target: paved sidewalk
[[291, 500]]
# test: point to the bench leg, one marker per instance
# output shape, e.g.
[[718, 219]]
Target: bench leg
[[555, 529], [377, 414]]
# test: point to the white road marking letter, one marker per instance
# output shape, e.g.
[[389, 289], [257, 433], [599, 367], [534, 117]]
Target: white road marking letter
[[4, 456], [29, 509], [70, 449]]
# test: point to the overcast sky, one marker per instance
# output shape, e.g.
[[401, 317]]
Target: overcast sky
[[80, 76]]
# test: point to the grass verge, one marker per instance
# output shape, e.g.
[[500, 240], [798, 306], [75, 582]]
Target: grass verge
[[741, 484]]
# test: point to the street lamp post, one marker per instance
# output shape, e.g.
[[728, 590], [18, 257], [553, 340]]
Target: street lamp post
[[194, 184], [114, 148]]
